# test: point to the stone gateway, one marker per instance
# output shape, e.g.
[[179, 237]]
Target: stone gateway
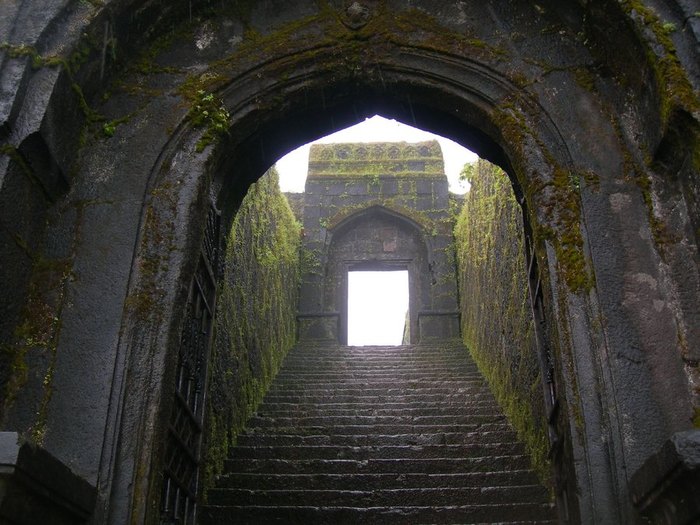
[[131, 130]]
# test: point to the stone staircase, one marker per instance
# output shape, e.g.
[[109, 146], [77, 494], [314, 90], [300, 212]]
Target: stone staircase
[[407, 434]]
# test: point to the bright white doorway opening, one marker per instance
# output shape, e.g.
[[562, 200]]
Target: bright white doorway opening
[[377, 307]]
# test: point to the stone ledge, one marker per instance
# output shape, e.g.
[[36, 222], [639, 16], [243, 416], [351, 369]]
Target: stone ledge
[[665, 489], [36, 488]]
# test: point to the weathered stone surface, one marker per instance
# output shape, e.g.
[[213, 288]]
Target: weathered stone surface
[[256, 321], [590, 107], [37, 488], [497, 312], [377, 206], [665, 488], [362, 473]]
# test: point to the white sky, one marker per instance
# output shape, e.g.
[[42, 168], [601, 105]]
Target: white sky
[[292, 167], [377, 306]]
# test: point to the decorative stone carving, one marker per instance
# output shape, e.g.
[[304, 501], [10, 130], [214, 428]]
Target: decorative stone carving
[[357, 15]]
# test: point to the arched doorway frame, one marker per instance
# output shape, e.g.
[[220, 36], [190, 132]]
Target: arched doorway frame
[[492, 115], [347, 224]]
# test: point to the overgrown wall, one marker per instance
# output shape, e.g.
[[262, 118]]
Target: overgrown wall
[[496, 318], [256, 315]]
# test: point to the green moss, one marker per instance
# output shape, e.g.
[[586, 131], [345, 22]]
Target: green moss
[[37, 332], [675, 88], [208, 112], [585, 78], [560, 199], [343, 51], [495, 315], [256, 320], [158, 239]]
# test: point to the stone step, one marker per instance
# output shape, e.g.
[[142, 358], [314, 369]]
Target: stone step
[[289, 410], [376, 452], [415, 373], [382, 429], [474, 402], [495, 513], [378, 435], [350, 466], [260, 438], [380, 363], [369, 390], [332, 421], [372, 362], [277, 481], [383, 365], [378, 399], [384, 497], [381, 383]]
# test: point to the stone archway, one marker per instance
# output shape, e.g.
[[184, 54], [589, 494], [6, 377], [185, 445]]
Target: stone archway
[[565, 133]]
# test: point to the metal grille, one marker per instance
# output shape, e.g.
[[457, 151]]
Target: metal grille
[[183, 442]]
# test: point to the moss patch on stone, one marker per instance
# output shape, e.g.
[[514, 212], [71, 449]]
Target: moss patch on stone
[[675, 89], [256, 315], [496, 319]]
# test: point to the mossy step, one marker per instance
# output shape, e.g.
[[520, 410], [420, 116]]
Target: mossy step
[[350, 466], [276, 481], [260, 438], [387, 497], [494, 513]]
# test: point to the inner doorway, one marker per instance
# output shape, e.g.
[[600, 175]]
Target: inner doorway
[[377, 307]]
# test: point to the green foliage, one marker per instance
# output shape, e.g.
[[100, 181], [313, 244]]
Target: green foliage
[[497, 324], [468, 172], [256, 314], [210, 113], [668, 27]]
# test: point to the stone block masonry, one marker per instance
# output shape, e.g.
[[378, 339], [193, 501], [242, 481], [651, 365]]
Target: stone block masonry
[[377, 206]]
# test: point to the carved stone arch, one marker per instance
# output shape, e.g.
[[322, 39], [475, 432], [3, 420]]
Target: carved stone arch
[[494, 117], [140, 197]]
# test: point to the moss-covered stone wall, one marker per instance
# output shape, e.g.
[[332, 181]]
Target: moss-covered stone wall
[[496, 318], [256, 315]]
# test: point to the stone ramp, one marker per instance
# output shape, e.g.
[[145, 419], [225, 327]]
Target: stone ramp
[[407, 434]]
